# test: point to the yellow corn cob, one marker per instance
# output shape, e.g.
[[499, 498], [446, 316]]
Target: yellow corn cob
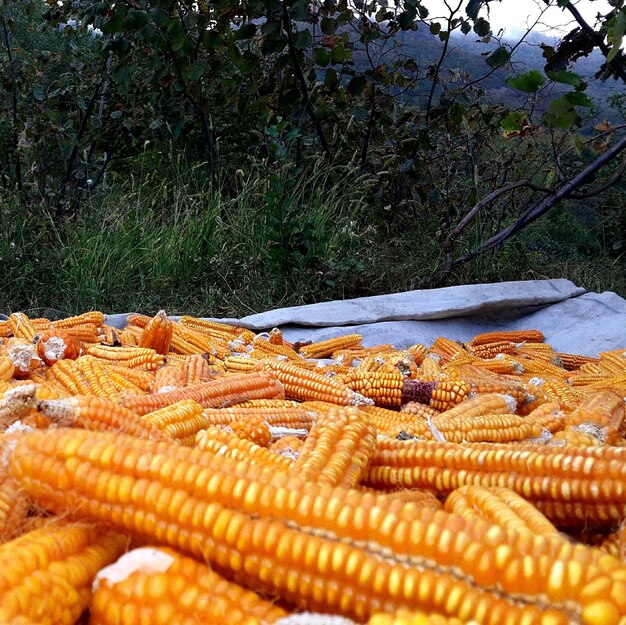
[[218, 329], [347, 356], [513, 336], [548, 416], [47, 573], [196, 369], [441, 395], [295, 417], [240, 363], [501, 506], [603, 409], [168, 378], [288, 447], [212, 394], [253, 428], [6, 368], [405, 617], [132, 357], [98, 378], [95, 317], [263, 349], [67, 373], [419, 352], [109, 335], [303, 385], [14, 507], [269, 403], [21, 326], [337, 449], [385, 389], [402, 362], [446, 466], [5, 329], [227, 444], [324, 349], [129, 338], [392, 423], [319, 548], [85, 332], [157, 334], [540, 368], [417, 410], [521, 393], [97, 413], [567, 396], [122, 384], [447, 349], [179, 421], [148, 583], [276, 337], [142, 379], [491, 350], [496, 428], [16, 403], [414, 495], [429, 369], [480, 405]]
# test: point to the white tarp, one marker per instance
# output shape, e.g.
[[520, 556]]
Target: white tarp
[[572, 319]]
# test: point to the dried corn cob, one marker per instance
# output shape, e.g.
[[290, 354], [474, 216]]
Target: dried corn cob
[[146, 584], [347, 356], [481, 405], [513, 336], [196, 369], [430, 369], [447, 349], [85, 332], [442, 395], [304, 385], [253, 428], [16, 403], [276, 336], [218, 329], [418, 351], [418, 410], [585, 475], [501, 506], [180, 421], [491, 350], [47, 573], [227, 444], [142, 379], [98, 378], [296, 417], [14, 506], [157, 334], [324, 349], [263, 349], [385, 389], [95, 317], [549, 416], [320, 548], [337, 449], [287, 446], [6, 368], [241, 363], [603, 409], [97, 413], [21, 326], [212, 394]]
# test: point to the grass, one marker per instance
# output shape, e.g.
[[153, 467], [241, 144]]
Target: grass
[[284, 240]]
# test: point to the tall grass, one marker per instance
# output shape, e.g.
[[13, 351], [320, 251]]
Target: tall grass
[[157, 241]]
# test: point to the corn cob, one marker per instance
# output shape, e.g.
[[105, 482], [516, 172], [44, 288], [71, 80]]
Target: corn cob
[[218, 329], [442, 395], [253, 428], [603, 409], [269, 403], [122, 384], [287, 446], [157, 334], [85, 333], [549, 416], [337, 449], [97, 413], [168, 378], [447, 349], [109, 335], [196, 369], [418, 351], [513, 336], [324, 349], [417, 410], [21, 326], [212, 394], [23, 354], [225, 443], [146, 584], [98, 378], [615, 544], [414, 495], [142, 379], [481, 405], [14, 506], [5, 329], [491, 350], [47, 573], [402, 362], [6, 368], [579, 436], [430, 369], [540, 368], [319, 548], [347, 356], [501, 506], [241, 363], [263, 349], [94, 316], [588, 476], [567, 396], [131, 357], [180, 421], [385, 389], [276, 336], [496, 428], [16, 403], [304, 385], [129, 338]]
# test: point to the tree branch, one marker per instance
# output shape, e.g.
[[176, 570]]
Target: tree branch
[[304, 90], [543, 206]]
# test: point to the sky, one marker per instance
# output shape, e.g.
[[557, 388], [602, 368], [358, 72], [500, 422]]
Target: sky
[[513, 15]]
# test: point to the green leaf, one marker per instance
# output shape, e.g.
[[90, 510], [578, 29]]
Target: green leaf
[[303, 39], [331, 79], [406, 19], [562, 3], [561, 114], [513, 121], [615, 34], [498, 58], [473, 7], [482, 27], [340, 54], [247, 31], [195, 71], [577, 98], [565, 77], [328, 25], [356, 85], [321, 57], [528, 82]]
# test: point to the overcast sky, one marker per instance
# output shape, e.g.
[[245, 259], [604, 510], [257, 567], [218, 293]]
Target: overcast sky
[[513, 15]]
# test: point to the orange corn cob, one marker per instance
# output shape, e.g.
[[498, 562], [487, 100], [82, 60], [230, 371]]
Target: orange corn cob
[[287, 446], [521, 393], [402, 362], [603, 409], [157, 334], [142, 379], [269, 403], [577, 436], [212, 394], [586, 475], [337, 449], [85, 332], [480, 405], [548, 416], [253, 428], [227, 444], [131, 357], [319, 548], [168, 378], [441, 395], [324, 349], [567, 396], [240, 363], [68, 375], [276, 337], [406, 617], [446, 349], [109, 335], [5, 329], [263, 349], [429, 369], [501, 506], [491, 350], [97, 377], [47, 573], [14, 506], [16, 403], [196, 369], [21, 326], [418, 351], [296, 417], [346, 356], [95, 317], [128, 338], [385, 389], [513, 336], [417, 410], [180, 421], [6, 368], [97, 413], [148, 583], [496, 428], [303, 385], [218, 329]]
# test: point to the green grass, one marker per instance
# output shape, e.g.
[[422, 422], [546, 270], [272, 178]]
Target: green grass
[[155, 242]]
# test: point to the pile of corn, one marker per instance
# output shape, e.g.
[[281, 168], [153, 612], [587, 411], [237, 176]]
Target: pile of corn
[[194, 472]]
